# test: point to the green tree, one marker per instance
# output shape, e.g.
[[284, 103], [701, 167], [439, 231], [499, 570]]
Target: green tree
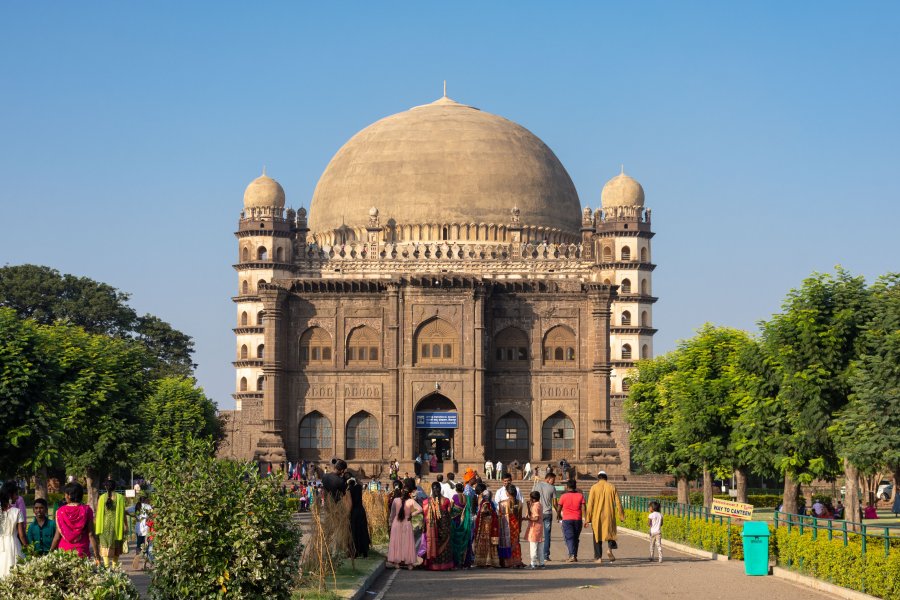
[[221, 529], [28, 392], [650, 412], [867, 431], [102, 387], [703, 391], [177, 411], [811, 344], [46, 296]]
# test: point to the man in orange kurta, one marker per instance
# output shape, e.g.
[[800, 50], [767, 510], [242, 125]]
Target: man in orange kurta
[[603, 506]]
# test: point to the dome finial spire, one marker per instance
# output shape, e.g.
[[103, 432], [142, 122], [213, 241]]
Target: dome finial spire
[[445, 88], [623, 169], [264, 170]]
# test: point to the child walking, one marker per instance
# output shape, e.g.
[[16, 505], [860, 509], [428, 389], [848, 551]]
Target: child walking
[[535, 533], [655, 520]]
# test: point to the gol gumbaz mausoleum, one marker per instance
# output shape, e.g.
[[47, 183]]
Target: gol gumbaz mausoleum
[[446, 292]]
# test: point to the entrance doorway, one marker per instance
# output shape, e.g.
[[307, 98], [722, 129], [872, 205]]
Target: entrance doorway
[[436, 421]]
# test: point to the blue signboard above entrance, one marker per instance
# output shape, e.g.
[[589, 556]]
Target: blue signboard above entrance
[[437, 420]]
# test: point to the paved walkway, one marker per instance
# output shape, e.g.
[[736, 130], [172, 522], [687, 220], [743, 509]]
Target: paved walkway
[[630, 576]]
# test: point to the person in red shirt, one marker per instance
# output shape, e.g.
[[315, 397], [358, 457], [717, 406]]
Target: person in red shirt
[[571, 514]]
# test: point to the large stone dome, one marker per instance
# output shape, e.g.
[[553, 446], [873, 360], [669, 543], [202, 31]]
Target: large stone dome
[[445, 163]]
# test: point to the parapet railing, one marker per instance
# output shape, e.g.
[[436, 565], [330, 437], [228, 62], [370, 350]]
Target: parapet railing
[[357, 250]]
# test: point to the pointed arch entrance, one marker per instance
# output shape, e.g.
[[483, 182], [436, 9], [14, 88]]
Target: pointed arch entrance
[[436, 421]]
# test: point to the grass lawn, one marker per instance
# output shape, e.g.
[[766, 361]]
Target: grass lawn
[[349, 578]]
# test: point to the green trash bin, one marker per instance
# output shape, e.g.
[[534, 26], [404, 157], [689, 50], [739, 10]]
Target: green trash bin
[[756, 548]]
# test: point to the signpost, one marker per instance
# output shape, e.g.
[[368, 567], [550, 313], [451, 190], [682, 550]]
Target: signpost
[[727, 508], [437, 420]]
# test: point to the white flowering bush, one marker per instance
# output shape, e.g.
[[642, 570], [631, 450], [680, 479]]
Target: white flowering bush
[[64, 576]]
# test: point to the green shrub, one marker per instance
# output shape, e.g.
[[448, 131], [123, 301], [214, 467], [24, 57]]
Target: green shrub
[[711, 536], [830, 560], [220, 529], [64, 575], [293, 504]]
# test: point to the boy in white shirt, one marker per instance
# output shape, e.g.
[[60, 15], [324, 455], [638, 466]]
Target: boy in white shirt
[[655, 521]]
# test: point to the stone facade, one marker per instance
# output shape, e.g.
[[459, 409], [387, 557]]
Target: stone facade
[[473, 340]]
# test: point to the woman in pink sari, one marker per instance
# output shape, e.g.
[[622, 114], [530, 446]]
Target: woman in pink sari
[[75, 524]]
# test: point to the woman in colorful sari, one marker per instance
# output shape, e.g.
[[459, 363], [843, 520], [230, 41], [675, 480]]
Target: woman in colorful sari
[[110, 523], [438, 526], [461, 539], [509, 514], [486, 531], [75, 524]]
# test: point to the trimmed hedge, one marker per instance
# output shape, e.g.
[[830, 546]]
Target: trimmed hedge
[[874, 574], [697, 532]]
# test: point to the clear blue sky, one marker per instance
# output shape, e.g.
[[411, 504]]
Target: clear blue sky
[[765, 133]]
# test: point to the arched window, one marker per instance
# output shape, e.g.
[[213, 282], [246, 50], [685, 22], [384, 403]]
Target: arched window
[[243, 385], [244, 319], [645, 351], [559, 347], [645, 287], [260, 350], [362, 346], [626, 318], [279, 254], [444, 235], [262, 253], [315, 347], [511, 345], [511, 437], [436, 343], [259, 318], [643, 255], [259, 284], [626, 253], [607, 281], [315, 432], [626, 286], [626, 385], [245, 352], [245, 255], [362, 436], [607, 254], [626, 351], [558, 437], [245, 287], [259, 383], [645, 319]]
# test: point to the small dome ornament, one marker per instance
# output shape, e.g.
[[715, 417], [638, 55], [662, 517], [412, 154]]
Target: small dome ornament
[[264, 192], [622, 190], [515, 212], [586, 217]]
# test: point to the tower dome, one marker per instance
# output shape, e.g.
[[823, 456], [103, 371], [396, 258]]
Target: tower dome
[[445, 163], [622, 190], [264, 192]]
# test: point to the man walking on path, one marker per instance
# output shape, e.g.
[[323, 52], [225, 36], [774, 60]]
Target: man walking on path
[[547, 490], [498, 470], [488, 469], [603, 506]]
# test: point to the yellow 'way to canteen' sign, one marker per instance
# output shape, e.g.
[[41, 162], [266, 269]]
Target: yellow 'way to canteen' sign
[[727, 508]]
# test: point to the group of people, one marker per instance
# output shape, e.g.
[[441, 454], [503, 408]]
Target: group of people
[[75, 528], [464, 525]]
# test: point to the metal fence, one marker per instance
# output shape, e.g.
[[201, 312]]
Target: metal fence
[[880, 535], [688, 512]]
